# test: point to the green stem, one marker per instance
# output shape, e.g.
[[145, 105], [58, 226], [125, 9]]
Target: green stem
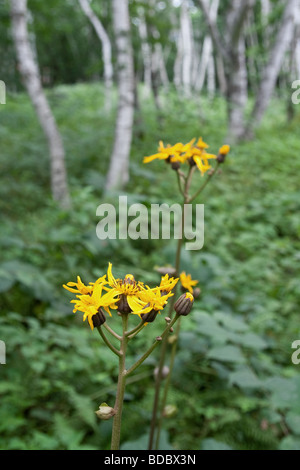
[[179, 176], [167, 383], [136, 330], [107, 342], [208, 179], [111, 331], [187, 200], [116, 429], [151, 349], [165, 342]]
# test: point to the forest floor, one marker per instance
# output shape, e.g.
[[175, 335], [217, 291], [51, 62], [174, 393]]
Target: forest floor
[[235, 385]]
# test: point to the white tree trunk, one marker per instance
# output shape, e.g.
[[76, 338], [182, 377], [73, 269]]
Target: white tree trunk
[[106, 48], [31, 77], [178, 63], [146, 49], [297, 42], [187, 47], [206, 66], [272, 69], [162, 66], [118, 174], [237, 93], [211, 77]]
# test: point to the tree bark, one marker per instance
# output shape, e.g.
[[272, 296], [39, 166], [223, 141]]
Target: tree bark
[[231, 49], [272, 69], [187, 47], [106, 48], [31, 77], [118, 174], [146, 49], [206, 64]]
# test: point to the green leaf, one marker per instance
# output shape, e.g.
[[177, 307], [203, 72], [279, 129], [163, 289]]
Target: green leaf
[[227, 354], [213, 444], [293, 422], [142, 443], [244, 378]]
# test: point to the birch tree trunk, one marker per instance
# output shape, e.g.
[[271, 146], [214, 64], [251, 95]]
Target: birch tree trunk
[[31, 77], [106, 48], [206, 64], [118, 174], [146, 49], [272, 69], [231, 50], [187, 47]]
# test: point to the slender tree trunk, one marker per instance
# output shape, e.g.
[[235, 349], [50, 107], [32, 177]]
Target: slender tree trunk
[[187, 46], [106, 48], [118, 174], [32, 82], [207, 66], [178, 63], [293, 69], [272, 69], [162, 66], [211, 77], [231, 50], [236, 69], [146, 49], [237, 93]]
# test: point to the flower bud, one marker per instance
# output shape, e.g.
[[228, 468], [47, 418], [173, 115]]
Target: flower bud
[[105, 412], [224, 150], [150, 316], [184, 304], [122, 305], [175, 165], [99, 318], [196, 292], [163, 270], [170, 411], [164, 373]]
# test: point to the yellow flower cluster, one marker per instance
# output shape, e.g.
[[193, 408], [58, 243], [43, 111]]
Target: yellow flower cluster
[[194, 154], [125, 295], [187, 282]]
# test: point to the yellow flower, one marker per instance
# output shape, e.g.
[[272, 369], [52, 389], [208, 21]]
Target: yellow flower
[[152, 300], [125, 295], [80, 287], [201, 145], [202, 164], [187, 282], [128, 289], [165, 153], [90, 303], [224, 149], [194, 154], [167, 283]]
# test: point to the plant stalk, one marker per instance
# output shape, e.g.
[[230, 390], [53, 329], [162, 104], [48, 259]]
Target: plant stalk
[[116, 429]]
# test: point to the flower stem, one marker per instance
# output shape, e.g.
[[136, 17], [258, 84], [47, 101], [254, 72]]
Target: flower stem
[[167, 383], [107, 342], [154, 345], [116, 429], [111, 331], [130, 334], [208, 179], [187, 199]]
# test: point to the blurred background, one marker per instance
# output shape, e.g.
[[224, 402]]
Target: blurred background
[[87, 90]]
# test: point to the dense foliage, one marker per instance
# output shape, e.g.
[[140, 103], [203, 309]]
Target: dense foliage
[[234, 385]]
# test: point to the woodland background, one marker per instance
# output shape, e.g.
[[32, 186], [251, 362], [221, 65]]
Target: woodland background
[[91, 88]]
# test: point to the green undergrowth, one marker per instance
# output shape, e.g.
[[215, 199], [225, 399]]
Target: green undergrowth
[[234, 384]]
